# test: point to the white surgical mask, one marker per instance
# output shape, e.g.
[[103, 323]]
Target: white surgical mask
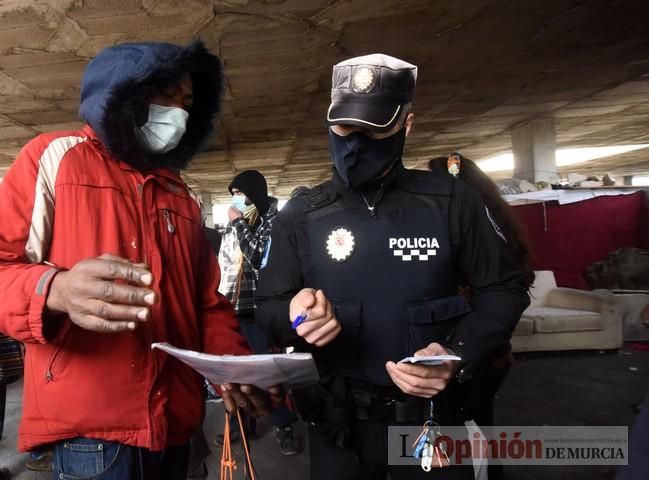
[[239, 202], [164, 129]]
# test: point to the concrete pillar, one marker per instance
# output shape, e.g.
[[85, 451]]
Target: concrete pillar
[[628, 179], [206, 200], [534, 146]]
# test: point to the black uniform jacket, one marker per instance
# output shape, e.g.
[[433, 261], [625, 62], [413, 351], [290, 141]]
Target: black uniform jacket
[[392, 274]]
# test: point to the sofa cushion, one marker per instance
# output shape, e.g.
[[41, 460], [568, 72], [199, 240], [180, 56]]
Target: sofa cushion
[[570, 298], [524, 327], [543, 282], [556, 320]]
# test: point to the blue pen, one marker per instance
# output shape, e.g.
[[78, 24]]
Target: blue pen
[[300, 319]]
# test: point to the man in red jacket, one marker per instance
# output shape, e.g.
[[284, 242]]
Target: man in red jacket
[[102, 252]]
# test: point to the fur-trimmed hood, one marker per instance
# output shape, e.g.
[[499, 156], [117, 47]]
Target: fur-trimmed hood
[[119, 82]]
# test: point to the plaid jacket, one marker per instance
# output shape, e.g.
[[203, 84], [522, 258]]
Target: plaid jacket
[[240, 239]]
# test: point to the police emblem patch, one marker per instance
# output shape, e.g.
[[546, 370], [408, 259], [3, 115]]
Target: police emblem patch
[[340, 244], [363, 80]]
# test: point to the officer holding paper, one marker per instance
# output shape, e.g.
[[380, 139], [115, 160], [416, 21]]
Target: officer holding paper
[[363, 271]]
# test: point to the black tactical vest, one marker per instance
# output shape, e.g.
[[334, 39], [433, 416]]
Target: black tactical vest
[[389, 277]]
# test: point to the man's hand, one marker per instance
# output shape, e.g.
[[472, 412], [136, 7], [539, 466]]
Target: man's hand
[[423, 380], [248, 397], [93, 299], [233, 214], [320, 327]]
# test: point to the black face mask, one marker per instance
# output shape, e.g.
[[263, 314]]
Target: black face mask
[[360, 159]]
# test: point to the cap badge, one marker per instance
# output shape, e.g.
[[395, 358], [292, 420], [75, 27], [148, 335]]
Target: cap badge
[[340, 244], [363, 80]]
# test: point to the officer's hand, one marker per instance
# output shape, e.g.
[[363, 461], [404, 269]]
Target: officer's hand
[[252, 399], [320, 327], [233, 214], [423, 380], [94, 299]]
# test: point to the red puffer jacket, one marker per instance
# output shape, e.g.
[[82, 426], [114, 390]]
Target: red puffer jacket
[[63, 200]]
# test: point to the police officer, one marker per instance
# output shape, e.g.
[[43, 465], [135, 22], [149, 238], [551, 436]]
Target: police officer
[[368, 264]]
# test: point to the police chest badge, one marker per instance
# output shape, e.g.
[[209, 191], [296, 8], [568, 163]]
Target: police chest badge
[[340, 244]]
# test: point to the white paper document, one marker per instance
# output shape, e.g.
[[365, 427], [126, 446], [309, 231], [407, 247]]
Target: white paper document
[[430, 360], [293, 370]]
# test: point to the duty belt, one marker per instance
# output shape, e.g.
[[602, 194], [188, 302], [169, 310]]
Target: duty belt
[[369, 406]]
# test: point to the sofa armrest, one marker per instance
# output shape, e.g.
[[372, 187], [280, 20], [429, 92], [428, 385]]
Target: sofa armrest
[[573, 299]]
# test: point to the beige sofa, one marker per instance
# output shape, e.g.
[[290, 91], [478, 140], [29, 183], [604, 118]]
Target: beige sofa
[[568, 319]]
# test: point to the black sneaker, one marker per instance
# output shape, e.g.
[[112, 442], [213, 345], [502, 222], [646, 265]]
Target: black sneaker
[[288, 444]]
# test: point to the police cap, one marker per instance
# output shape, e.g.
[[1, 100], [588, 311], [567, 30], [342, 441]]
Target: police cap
[[371, 91]]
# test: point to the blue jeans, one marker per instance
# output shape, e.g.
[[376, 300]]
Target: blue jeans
[[86, 458]]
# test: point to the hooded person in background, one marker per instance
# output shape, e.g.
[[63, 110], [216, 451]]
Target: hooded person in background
[[244, 243], [243, 252], [124, 262]]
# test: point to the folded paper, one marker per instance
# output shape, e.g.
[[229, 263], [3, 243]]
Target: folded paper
[[293, 370]]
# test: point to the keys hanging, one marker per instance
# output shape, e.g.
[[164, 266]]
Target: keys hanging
[[427, 445]]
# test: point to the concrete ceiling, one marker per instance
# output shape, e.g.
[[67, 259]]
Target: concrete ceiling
[[485, 66]]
